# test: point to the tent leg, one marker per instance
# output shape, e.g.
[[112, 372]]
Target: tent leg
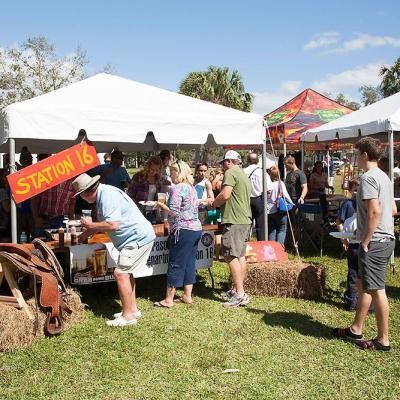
[[264, 177], [391, 163], [13, 169]]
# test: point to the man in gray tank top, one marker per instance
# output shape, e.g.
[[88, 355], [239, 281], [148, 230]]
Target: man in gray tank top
[[375, 231]]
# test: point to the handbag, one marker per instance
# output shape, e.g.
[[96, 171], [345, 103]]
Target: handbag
[[282, 204]]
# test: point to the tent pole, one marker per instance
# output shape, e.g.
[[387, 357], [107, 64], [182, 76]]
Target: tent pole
[[264, 180], [302, 156], [391, 161], [13, 169]]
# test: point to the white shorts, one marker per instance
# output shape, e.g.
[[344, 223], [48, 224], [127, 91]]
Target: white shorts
[[131, 259]]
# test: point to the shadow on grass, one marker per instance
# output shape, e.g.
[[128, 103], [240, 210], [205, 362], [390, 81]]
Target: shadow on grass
[[103, 298], [393, 292], [301, 323], [333, 298]]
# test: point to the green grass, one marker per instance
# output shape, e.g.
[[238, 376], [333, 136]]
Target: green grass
[[282, 348]]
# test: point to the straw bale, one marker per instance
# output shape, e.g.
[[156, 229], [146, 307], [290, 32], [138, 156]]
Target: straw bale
[[17, 331], [286, 279]]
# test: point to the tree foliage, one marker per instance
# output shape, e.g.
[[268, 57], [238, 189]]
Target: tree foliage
[[370, 94], [390, 79], [34, 68], [342, 99], [218, 85]]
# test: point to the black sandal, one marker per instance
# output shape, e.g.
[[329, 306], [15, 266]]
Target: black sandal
[[347, 334], [372, 345]]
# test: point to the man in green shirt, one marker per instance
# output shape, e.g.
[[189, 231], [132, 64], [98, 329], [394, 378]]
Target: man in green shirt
[[234, 201]]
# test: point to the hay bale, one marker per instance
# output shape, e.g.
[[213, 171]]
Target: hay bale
[[286, 279], [17, 331]]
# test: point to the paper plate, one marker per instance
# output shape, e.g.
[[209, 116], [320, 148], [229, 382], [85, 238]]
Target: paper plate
[[74, 222], [343, 235], [147, 203]]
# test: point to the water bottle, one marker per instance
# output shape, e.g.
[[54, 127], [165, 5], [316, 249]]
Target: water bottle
[[23, 238]]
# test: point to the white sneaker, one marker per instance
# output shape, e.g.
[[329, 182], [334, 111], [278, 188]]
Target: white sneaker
[[121, 321], [136, 314]]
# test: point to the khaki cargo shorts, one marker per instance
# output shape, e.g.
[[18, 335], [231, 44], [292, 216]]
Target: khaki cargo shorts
[[234, 239], [132, 259]]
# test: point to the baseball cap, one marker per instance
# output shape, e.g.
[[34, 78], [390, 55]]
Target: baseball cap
[[231, 155]]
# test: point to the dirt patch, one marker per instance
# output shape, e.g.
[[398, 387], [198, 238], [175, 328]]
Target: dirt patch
[[286, 279]]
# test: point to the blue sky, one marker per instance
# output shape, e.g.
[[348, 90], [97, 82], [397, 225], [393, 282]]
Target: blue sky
[[279, 47]]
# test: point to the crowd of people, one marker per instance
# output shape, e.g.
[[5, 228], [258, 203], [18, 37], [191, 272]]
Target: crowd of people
[[125, 208]]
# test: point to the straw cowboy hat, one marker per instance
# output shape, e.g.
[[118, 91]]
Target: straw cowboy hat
[[84, 182]]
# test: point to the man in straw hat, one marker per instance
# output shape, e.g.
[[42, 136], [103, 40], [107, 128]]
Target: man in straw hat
[[129, 231], [234, 201]]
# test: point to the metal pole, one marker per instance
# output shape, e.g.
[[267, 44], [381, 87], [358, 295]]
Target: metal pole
[[264, 177], [302, 156], [13, 169], [391, 160], [284, 155]]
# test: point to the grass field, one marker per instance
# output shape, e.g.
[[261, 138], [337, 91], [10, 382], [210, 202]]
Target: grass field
[[281, 347]]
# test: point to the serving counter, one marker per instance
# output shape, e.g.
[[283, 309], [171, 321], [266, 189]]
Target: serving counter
[[95, 261]]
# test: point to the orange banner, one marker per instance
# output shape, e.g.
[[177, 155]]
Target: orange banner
[[50, 172]]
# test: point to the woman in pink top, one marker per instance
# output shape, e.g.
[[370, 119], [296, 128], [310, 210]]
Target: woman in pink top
[[185, 233]]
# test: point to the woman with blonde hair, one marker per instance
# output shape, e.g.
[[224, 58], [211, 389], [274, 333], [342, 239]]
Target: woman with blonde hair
[[216, 177], [184, 236], [277, 221], [146, 184]]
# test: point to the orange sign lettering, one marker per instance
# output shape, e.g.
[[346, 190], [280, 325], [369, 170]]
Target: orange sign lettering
[[50, 172]]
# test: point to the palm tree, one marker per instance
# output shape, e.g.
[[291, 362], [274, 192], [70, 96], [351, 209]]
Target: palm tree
[[390, 79], [219, 86]]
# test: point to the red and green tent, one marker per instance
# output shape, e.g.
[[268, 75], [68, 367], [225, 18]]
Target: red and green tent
[[307, 110]]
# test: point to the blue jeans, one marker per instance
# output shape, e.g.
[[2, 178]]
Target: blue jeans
[[182, 258], [277, 225]]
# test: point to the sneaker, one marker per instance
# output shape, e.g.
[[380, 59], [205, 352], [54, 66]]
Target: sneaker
[[121, 321], [246, 300], [237, 301], [136, 314], [227, 295]]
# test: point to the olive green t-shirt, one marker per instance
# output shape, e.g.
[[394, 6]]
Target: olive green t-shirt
[[237, 209]]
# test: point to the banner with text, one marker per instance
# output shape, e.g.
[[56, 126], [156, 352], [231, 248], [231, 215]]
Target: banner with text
[[50, 172], [95, 263]]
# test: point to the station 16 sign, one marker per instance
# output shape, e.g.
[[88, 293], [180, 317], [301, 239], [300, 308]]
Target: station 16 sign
[[50, 172]]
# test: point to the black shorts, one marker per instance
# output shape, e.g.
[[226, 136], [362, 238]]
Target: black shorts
[[373, 263]]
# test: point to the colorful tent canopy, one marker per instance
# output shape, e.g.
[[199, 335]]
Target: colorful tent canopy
[[307, 110]]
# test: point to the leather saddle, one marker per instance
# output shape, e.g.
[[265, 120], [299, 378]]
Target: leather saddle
[[49, 273]]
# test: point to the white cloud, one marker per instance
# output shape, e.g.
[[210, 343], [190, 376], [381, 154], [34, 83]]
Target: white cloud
[[266, 102], [325, 39], [349, 79], [363, 40], [291, 86]]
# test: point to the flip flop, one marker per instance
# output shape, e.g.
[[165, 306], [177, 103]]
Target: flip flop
[[161, 304], [346, 333], [180, 300], [372, 345]]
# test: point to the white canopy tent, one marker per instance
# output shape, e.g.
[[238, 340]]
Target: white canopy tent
[[381, 118], [378, 118], [118, 112], [128, 114]]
